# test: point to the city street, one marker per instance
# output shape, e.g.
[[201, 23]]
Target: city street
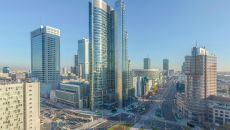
[[167, 105], [164, 100]]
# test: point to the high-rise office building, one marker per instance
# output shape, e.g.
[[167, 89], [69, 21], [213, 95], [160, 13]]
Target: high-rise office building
[[108, 57], [76, 60], [75, 68], [201, 82], [120, 53], [147, 63], [165, 67], [99, 38], [20, 105], [45, 57], [83, 57], [6, 70], [130, 90]]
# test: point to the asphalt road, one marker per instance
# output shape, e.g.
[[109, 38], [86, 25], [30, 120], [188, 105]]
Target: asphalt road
[[167, 104]]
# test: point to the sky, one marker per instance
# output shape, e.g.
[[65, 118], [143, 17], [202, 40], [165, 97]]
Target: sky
[[157, 29]]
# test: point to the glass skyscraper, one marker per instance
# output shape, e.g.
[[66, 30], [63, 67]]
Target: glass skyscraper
[[147, 63], [99, 13], [108, 57], [45, 57], [165, 67], [121, 54], [6, 70], [83, 56]]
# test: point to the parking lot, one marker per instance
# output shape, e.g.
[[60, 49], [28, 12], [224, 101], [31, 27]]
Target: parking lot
[[57, 118]]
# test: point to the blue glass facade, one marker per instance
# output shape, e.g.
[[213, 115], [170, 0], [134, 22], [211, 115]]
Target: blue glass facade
[[98, 31], [45, 56], [108, 54]]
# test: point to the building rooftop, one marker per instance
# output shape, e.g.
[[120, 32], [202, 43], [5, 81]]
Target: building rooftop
[[4, 82], [219, 98], [146, 70]]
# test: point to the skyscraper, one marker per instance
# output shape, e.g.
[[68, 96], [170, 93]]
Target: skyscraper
[[83, 56], [76, 65], [108, 54], [147, 63], [120, 53], [99, 40], [45, 57], [165, 67], [6, 70], [76, 60], [201, 82]]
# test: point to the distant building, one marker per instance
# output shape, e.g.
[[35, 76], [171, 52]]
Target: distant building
[[18, 76], [76, 61], [20, 105], [130, 90], [171, 72], [201, 82], [6, 70], [83, 57], [165, 67], [79, 71], [139, 87], [45, 57], [135, 84], [153, 74], [147, 63], [146, 79], [64, 71], [5, 76], [73, 93]]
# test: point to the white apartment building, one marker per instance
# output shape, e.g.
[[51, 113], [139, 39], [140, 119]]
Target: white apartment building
[[20, 106]]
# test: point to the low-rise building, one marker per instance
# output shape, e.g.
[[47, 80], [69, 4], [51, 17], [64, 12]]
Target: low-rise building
[[73, 93], [18, 76], [218, 110], [181, 104]]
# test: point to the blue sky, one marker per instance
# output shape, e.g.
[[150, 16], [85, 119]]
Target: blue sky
[[157, 29]]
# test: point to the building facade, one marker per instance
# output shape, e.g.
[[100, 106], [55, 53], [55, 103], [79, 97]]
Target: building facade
[[108, 59], [165, 67], [147, 63], [6, 70], [73, 93], [218, 110], [20, 106], [45, 57], [201, 82], [31, 106], [83, 57]]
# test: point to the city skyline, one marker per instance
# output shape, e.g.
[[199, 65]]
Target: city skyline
[[170, 29]]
